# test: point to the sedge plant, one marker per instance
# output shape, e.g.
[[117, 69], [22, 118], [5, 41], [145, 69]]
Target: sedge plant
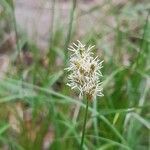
[[85, 73]]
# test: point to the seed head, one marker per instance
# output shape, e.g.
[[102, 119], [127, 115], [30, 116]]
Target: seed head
[[85, 71]]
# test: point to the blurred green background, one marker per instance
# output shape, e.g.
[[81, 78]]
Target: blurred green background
[[37, 110]]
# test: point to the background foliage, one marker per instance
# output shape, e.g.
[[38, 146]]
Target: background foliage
[[37, 109]]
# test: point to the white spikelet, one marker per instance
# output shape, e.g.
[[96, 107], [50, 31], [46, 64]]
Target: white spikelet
[[85, 71]]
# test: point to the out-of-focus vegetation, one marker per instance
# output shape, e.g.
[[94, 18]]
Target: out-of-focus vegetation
[[38, 111]]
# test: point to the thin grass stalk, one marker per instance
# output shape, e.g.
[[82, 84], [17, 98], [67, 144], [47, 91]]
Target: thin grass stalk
[[144, 32], [16, 31], [54, 119], [52, 18], [84, 125], [95, 120], [52, 22], [136, 64], [74, 3], [18, 55], [51, 30]]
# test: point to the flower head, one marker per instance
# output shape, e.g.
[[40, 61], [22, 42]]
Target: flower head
[[84, 71]]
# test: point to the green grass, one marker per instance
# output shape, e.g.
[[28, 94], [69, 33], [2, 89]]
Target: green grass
[[118, 120]]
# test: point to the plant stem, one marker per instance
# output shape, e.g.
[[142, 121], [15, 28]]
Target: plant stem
[[52, 24], [16, 31], [51, 55], [95, 120], [138, 63], [84, 125], [74, 3]]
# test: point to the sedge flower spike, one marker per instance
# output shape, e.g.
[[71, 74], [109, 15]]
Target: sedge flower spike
[[85, 71]]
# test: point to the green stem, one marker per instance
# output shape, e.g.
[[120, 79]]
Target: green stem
[[51, 55], [84, 125], [18, 55], [137, 63], [16, 31], [95, 120], [74, 3], [52, 24]]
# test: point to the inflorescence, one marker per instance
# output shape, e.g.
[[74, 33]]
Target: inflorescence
[[85, 71]]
